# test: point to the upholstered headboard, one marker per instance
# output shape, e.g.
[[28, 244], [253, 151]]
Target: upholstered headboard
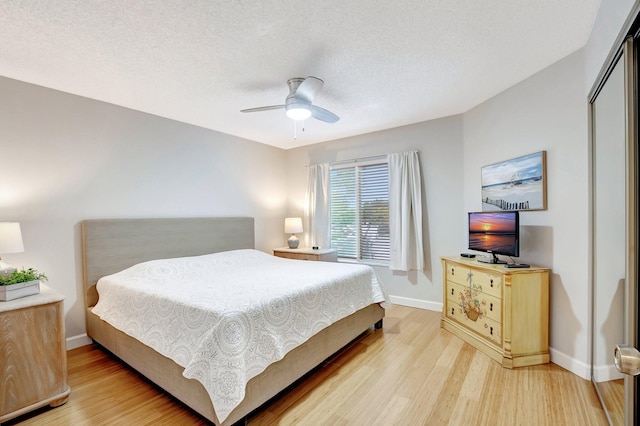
[[111, 245]]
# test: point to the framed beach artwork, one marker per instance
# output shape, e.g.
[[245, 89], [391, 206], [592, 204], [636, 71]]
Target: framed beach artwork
[[517, 184]]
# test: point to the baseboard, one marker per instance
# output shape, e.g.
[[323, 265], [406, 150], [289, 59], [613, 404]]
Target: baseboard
[[77, 341], [577, 367], [415, 303], [604, 373]]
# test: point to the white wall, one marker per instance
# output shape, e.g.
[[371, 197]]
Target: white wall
[[440, 145], [546, 112], [609, 22], [67, 158]]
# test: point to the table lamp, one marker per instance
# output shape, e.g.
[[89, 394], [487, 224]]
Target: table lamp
[[292, 225], [10, 242]]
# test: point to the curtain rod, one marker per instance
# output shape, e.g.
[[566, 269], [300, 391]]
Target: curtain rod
[[357, 160], [362, 159]]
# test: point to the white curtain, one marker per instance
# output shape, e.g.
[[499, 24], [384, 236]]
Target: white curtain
[[405, 212], [317, 208]]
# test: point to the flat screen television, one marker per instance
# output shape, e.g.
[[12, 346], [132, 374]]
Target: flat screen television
[[495, 233]]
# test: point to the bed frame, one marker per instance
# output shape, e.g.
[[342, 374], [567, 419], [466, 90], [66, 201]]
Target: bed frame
[[111, 245]]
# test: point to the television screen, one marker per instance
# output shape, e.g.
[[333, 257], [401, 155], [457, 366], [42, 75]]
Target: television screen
[[495, 232]]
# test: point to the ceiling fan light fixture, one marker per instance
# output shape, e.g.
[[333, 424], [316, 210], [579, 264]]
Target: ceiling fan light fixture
[[299, 102], [298, 113]]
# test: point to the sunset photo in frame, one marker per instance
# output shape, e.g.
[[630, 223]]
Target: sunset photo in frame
[[516, 184]]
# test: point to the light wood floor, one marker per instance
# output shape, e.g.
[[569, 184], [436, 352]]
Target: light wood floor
[[410, 373], [613, 395]]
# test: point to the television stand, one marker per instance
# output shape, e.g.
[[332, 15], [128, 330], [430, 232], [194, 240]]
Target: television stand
[[503, 313], [493, 259]]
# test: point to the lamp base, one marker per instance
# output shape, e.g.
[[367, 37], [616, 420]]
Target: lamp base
[[5, 268], [293, 242]]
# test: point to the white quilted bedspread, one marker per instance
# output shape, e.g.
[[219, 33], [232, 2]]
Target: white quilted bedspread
[[225, 317]]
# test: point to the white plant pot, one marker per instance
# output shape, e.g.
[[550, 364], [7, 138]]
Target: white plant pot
[[15, 291]]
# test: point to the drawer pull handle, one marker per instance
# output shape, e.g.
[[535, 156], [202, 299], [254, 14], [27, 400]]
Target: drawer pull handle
[[452, 292], [491, 331], [491, 282], [453, 271], [452, 311], [491, 306]]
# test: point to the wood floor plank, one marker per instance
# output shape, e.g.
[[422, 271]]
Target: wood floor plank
[[410, 373], [613, 396]]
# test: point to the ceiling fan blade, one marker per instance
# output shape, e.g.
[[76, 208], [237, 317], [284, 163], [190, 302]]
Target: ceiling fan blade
[[308, 89], [322, 114], [264, 108]]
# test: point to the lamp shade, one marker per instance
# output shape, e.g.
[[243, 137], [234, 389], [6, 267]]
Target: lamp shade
[[292, 225], [10, 238]]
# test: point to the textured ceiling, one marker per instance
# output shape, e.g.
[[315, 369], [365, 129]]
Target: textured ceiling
[[384, 63]]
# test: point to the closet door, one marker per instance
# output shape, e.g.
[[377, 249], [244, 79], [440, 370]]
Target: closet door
[[613, 218]]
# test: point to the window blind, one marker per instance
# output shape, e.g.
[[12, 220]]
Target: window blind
[[359, 211]]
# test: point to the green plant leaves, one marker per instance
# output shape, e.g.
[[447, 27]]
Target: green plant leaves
[[22, 276]]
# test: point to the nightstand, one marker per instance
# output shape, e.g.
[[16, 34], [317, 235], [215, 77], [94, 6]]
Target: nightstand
[[33, 354], [323, 255]]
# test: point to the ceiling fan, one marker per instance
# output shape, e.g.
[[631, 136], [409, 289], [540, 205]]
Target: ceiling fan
[[299, 101]]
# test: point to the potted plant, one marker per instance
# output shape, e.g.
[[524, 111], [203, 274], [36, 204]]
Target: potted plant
[[20, 283]]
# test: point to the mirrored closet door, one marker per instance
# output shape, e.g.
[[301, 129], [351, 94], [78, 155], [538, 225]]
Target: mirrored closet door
[[609, 219], [613, 240]]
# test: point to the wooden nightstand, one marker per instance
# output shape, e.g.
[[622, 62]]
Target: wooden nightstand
[[324, 255], [33, 354]]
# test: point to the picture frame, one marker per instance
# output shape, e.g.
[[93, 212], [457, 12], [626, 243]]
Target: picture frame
[[516, 184]]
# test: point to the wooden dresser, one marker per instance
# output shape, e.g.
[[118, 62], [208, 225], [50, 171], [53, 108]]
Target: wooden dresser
[[323, 255], [33, 355], [501, 312]]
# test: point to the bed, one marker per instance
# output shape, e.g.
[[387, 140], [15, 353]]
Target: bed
[[110, 246]]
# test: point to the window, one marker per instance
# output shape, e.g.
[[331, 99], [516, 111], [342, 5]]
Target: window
[[359, 210]]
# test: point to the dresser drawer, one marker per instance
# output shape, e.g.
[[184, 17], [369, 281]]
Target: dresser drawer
[[491, 306], [457, 273], [490, 283], [485, 326]]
